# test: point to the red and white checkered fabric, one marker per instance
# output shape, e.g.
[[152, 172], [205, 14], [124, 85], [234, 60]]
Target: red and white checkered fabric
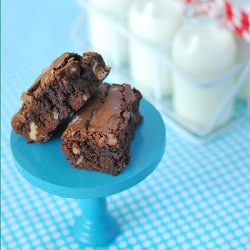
[[237, 19]]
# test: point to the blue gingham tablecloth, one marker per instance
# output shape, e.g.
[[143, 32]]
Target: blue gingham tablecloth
[[198, 197]]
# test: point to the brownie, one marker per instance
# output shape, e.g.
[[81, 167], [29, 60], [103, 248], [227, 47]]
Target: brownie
[[61, 89], [99, 136]]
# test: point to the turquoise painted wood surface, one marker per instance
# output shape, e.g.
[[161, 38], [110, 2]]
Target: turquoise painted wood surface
[[44, 165]]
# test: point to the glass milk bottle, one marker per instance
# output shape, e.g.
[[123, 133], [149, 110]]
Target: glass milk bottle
[[102, 34], [154, 22], [204, 50], [243, 55], [243, 50]]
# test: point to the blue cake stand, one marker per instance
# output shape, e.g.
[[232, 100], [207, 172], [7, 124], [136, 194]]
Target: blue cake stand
[[44, 166]]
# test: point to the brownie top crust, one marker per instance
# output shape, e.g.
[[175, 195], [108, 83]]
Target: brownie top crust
[[71, 64], [106, 114]]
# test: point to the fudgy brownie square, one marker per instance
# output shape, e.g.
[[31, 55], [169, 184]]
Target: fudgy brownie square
[[61, 89], [99, 136]]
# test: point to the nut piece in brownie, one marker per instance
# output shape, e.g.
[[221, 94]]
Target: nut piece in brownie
[[99, 136], [61, 89]]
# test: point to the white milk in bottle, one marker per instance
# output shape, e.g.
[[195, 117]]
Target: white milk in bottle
[[155, 22], [102, 34], [204, 50]]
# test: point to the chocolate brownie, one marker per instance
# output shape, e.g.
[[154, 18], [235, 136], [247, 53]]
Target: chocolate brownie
[[99, 136], [61, 89]]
